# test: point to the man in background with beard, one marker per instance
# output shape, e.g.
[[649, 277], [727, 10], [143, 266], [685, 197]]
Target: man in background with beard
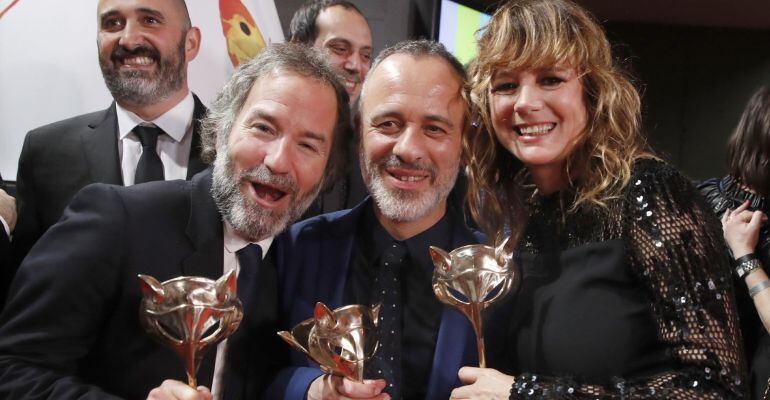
[[413, 114], [71, 328], [339, 29], [150, 132]]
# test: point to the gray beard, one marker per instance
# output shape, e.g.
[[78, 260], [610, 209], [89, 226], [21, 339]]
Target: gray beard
[[141, 88], [246, 217], [403, 205]]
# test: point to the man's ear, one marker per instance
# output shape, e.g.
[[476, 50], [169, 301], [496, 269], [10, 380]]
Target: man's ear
[[192, 43]]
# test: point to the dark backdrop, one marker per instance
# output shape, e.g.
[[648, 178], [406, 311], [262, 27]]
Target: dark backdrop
[[695, 82]]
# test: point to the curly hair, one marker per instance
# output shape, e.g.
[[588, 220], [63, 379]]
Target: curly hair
[[748, 150], [538, 34]]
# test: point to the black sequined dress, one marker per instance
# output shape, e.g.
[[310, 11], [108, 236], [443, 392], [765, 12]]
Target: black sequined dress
[[722, 194], [632, 301]]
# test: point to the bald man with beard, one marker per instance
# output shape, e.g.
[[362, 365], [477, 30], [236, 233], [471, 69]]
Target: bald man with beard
[[144, 49]]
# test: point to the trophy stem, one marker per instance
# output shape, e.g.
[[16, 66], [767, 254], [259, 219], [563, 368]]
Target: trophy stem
[[191, 381], [480, 347], [191, 367], [475, 317]]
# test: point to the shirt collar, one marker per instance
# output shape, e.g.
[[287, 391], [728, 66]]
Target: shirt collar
[[234, 241], [174, 122], [439, 235]]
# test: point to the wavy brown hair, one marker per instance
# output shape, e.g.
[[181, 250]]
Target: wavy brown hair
[[748, 150], [539, 34]]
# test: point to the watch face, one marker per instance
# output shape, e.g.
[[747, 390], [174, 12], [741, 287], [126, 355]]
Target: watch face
[[747, 266]]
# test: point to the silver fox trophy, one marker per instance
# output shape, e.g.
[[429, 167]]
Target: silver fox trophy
[[339, 341], [472, 277], [190, 314]]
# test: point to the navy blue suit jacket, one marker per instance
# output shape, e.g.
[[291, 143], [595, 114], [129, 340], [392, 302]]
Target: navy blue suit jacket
[[316, 257]]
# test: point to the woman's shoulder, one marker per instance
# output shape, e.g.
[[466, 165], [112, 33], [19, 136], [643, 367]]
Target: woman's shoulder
[[648, 167], [656, 174], [712, 191], [656, 181]]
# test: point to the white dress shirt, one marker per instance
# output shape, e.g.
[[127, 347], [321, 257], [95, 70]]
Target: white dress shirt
[[6, 227], [173, 147], [233, 243]]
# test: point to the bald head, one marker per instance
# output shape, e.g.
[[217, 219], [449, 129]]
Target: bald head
[[423, 48], [182, 6], [178, 9]]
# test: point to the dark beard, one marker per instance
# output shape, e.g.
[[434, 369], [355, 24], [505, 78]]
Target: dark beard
[[143, 88]]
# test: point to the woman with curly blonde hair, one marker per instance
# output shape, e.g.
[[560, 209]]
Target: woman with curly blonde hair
[[625, 287]]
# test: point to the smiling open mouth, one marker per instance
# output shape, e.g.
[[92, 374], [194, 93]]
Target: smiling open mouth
[[534, 130], [350, 85], [267, 192], [409, 176], [137, 61], [139, 57]]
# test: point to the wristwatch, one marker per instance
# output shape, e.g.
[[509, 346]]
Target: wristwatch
[[746, 264]]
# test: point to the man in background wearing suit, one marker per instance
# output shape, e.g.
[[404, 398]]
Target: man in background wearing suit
[[8, 221], [412, 119], [339, 29], [71, 327], [150, 132]]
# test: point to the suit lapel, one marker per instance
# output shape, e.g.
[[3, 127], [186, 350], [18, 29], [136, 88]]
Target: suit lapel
[[455, 344], [195, 164], [100, 145], [336, 254], [204, 228]]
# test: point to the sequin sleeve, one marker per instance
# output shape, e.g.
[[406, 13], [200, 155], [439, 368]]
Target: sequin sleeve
[[675, 247]]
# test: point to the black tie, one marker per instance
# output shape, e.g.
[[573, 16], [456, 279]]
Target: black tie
[[149, 168], [387, 291], [238, 347]]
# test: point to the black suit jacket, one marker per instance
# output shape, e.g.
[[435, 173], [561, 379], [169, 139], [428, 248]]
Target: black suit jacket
[[71, 327], [59, 159], [5, 241], [5, 251], [6, 266]]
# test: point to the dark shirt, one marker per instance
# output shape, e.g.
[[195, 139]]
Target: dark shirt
[[630, 299], [422, 311]]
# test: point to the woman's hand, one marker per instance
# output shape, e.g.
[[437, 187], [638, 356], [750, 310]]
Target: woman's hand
[[741, 229], [327, 387], [483, 383]]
